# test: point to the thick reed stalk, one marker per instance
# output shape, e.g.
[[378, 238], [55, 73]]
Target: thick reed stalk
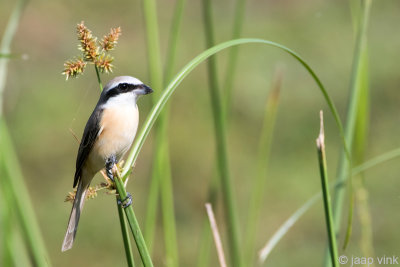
[[220, 137], [133, 224], [205, 242], [161, 177], [325, 193], [125, 237]]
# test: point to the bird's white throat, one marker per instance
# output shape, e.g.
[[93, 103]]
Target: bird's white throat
[[122, 100]]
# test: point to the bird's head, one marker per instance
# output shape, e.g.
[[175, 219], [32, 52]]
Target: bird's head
[[124, 89]]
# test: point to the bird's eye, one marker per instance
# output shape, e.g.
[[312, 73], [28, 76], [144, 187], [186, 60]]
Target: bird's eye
[[123, 86]]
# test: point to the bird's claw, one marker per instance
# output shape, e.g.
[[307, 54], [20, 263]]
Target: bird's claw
[[126, 202], [110, 163]]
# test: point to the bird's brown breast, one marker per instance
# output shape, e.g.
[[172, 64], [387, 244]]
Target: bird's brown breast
[[118, 126]]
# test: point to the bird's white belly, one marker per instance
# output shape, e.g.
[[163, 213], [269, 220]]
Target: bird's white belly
[[118, 127]]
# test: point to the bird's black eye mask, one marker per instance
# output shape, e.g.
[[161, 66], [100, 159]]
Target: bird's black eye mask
[[120, 89]]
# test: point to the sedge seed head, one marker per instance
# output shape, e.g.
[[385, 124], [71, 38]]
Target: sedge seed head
[[109, 41], [93, 52], [73, 68], [87, 42], [103, 62]]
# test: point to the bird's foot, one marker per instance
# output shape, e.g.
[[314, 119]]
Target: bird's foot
[[110, 163], [126, 202]]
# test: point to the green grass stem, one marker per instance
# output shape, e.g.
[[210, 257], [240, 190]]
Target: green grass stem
[[153, 46], [205, 244], [217, 106], [161, 177], [5, 45], [12, 181], [134, 225], [359, 147], [260, 178], [240, 8], [125, 237], [167, 199], [354, 101], [170, 61], [22, 204], [325, 193], [98, 78], [6, 223]]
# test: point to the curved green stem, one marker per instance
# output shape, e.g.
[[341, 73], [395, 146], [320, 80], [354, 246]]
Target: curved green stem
[[166, 94]]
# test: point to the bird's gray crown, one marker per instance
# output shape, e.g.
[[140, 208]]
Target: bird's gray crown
[[121, 79]]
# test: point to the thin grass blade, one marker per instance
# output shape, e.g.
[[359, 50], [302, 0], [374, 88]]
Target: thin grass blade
[[259, 181], [330, 228]]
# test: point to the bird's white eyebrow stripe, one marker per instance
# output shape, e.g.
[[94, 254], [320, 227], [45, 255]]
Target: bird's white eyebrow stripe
[[121, 79]]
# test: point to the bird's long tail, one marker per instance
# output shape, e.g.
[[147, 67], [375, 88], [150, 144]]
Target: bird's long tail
[[74, 217]]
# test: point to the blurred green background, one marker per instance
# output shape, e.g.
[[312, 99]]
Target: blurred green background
[[41, 107]]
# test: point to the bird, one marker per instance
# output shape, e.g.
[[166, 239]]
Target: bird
[[107, 136]]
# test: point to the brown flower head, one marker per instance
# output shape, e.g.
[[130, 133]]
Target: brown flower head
[[109, 41], [93, 52], [103, 62], [73, 68], [87, 43], [91, 193]]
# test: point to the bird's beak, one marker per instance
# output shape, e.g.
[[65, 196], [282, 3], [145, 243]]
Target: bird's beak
[[143, 90], [147, 90]]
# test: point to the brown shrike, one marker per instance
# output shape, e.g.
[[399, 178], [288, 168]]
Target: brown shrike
[[108, 135]]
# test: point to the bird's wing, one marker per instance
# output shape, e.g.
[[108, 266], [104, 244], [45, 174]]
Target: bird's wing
[[89, 137]]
